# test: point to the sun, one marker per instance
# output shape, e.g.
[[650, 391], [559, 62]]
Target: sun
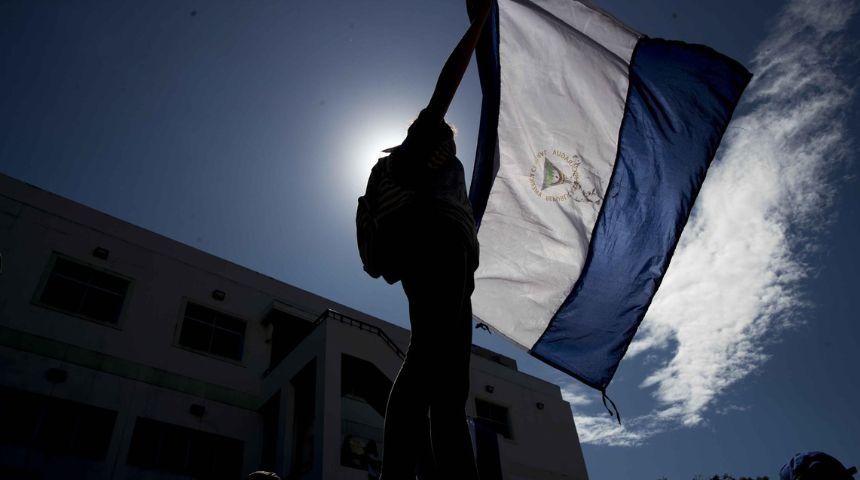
[[370, 148]]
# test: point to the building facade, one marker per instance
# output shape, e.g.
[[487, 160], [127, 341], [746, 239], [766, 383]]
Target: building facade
[[124, 354]]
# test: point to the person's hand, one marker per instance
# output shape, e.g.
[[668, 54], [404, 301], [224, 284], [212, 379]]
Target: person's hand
[[478, 8], [479, 3], [455, 67]]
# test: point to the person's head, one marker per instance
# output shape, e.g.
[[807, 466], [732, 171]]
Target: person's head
[[815, 466]]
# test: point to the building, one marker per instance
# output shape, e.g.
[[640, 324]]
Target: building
[[124, 354]]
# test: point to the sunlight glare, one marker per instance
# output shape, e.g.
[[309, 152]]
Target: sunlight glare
[[371, 150]]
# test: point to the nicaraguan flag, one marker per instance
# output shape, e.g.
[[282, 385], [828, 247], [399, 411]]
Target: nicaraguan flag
[[594, 143]]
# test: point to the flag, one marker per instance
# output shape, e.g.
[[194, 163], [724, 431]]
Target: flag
[[594, 142]]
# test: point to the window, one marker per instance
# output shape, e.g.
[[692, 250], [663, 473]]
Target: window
[[287, 332], [270, 412], [364, 394], [57, 426], [494, 416], [81, 290], [170, 448], [304, 452], [213, 332]]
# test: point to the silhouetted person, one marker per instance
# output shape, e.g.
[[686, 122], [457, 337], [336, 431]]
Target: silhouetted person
[[815, 466], [436, 257]]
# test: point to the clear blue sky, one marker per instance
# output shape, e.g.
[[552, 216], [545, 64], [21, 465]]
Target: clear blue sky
[[246, 129]]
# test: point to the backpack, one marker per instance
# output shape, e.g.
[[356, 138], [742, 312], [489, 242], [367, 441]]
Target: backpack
[[379, 220]]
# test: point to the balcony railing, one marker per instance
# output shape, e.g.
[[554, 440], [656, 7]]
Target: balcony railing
[[354, 322]]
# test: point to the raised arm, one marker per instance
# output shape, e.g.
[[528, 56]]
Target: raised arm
[[458, 61]]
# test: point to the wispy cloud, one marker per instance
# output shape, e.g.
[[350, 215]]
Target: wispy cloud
[[735, 276], [604, 430], [575, 394]]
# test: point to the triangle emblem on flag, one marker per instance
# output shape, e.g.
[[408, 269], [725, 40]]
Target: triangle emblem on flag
[[552, 175]]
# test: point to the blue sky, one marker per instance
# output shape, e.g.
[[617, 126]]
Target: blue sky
[[246, 129]]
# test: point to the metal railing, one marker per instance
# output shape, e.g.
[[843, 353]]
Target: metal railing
[[354, 322]]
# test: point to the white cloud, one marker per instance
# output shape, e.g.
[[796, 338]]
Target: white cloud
[[734, 277], [575, 394], [607, 431]]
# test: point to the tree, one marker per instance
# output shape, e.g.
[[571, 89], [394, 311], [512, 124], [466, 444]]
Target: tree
[[725, 476]]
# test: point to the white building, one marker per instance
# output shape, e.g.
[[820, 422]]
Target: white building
[[124, 354]]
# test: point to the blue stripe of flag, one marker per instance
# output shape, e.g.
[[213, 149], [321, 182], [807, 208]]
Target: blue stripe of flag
[[484, 172]]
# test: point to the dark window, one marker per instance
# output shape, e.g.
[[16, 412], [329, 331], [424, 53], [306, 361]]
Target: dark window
[[86, 291], [170, 448], [362, 379], [304, 386], [287, 332], [364, 390], [270, 412], [494, 416], [61, 427], [211, 331]]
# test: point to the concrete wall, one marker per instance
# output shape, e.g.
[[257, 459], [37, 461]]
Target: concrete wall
[[130, 399], [543, 444], [137, 367]]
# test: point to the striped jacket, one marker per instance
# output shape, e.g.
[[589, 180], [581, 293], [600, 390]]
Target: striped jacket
[[420, 181]]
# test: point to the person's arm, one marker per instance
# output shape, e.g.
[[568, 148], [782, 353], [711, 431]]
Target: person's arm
[[454, 69]]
